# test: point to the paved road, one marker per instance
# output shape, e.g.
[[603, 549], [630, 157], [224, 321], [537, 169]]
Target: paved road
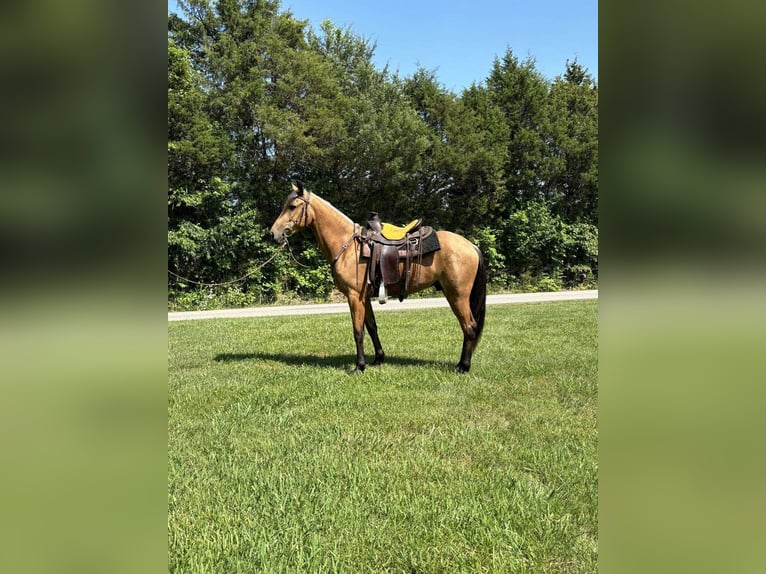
[[392, 305]]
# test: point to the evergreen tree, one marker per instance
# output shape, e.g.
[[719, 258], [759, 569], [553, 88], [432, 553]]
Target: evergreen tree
[[460, 180], [197, 195], [374, 166], [574, 146], [519, 90]]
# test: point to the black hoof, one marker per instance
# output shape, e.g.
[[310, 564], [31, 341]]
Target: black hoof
[[378, 361], [358, 370], [462, 369]]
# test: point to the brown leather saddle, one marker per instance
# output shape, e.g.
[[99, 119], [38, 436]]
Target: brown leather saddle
[[391, 251]]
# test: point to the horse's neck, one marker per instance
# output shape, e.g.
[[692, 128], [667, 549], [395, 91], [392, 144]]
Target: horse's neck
[[331, 227]]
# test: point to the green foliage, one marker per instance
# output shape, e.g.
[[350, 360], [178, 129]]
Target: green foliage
[[485, 239], [460, 180], [311, 279], [534, 240], [256, 98], [521, 93], [202, 299], [546, 283], [581, 263], [541, 244], [573, 186]]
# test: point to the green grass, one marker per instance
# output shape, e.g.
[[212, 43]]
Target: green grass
[[279, 461]]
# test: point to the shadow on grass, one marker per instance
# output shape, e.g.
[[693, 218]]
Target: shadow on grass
[[343, 362]]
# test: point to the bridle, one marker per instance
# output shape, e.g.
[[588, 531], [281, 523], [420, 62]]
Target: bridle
[[304, 216]]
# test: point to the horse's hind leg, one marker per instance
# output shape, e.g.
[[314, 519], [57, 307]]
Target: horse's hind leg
[[461, 307], [372, 329]]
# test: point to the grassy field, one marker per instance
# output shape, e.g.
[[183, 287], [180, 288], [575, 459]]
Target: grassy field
[[279, 461]]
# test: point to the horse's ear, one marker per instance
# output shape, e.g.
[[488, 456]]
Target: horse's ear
[[298, 187]]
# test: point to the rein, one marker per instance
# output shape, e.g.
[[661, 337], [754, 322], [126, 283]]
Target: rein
[[238, 280]]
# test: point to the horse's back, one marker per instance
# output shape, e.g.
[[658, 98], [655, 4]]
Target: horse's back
[[456, 248]]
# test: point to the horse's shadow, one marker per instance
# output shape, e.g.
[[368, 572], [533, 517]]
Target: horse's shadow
[[342, 362]]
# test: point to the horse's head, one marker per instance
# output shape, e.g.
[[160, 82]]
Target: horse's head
[[296, 214]]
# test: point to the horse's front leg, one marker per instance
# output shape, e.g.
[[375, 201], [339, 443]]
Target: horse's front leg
[[372, 329], [356, 305]]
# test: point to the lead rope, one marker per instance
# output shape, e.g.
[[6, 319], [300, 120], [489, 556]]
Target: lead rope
[[292, 255], [238, 280]]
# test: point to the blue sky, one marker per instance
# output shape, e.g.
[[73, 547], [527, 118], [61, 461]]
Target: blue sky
[[460, 39]]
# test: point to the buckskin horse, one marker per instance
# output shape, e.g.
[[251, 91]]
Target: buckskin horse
[[456, 268]]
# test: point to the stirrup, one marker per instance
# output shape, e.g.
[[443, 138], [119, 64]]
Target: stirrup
[[382, 294]]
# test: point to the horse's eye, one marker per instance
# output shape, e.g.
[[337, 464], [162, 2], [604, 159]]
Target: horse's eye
[[292, 207]]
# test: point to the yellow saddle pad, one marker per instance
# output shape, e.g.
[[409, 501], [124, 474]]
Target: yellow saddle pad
[[394, 232]]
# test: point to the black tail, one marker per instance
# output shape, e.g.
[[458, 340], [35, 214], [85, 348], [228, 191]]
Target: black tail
[[479, 296]]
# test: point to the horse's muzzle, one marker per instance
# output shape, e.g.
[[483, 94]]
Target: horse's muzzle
[[281, 236]]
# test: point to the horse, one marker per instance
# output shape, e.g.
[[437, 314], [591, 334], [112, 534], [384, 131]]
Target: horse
[[457, 269]]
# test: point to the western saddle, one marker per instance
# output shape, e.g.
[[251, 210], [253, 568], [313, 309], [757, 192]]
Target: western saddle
[[391, 249]]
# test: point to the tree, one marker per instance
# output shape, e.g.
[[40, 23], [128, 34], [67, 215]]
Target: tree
[[197, 196], [573, 184], [522, 94], [460, 179], [374, 164], [262, 109]]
